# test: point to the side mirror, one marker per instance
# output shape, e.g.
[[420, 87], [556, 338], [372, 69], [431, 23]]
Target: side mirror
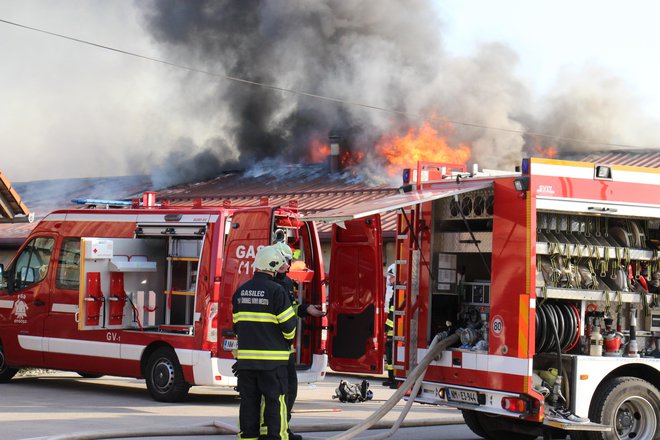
[[2, 271]]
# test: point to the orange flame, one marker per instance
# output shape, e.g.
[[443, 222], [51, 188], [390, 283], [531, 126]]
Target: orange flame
[[318, 151], [349, 159], [550, 152], [424, 144]]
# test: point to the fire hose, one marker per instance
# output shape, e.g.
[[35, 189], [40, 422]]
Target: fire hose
[[412, 383]]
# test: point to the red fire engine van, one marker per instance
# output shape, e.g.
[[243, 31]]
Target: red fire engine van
[[146, 293], [549, 275]]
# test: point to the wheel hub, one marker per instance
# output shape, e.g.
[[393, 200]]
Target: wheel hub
[[625, 420], [635, 418], [163, 375]]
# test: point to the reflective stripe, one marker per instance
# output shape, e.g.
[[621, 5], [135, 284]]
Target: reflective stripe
[[267, 355], [284, 423], [289, 335], [254, 317], [263, 429], [286, 315], [389, 323]]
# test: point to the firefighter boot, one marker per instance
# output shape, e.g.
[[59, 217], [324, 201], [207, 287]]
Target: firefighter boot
[[293, 436], [389, 382]]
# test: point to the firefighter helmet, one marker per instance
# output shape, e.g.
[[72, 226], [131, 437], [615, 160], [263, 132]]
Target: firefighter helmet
[[391, 270], [269, 259], [285, 250]]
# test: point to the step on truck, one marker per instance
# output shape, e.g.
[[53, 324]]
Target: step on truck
[[550, 277], [145, 292]]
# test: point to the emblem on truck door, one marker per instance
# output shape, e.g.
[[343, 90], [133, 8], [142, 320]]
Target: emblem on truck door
[[20, 310]]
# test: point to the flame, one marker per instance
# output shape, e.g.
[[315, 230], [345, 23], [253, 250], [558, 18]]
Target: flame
[[424, 144], [349, 159], [318, 151], [537, 149], [550, 152]]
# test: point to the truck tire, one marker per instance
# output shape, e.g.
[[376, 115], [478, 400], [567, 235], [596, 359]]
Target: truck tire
[[630, 405], [164, 376], [472, 421], [491, 427], [6, 373]]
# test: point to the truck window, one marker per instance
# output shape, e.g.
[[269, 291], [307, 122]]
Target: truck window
[[32, 263], [68, 268]]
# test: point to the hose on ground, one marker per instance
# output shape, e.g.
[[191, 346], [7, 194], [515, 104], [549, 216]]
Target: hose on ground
[[413, 383], [414, 380], [214, 428]]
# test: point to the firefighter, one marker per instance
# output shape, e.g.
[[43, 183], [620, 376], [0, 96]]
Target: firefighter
[[265, 325], [301, 311], [389, 331]]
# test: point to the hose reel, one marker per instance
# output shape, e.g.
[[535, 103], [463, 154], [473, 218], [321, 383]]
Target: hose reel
[[563, 316]]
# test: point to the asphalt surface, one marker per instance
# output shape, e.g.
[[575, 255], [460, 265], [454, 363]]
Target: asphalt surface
[[64, 405]]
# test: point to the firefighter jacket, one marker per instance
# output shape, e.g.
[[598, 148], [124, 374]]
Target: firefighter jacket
[[264, 322], [389, 323]]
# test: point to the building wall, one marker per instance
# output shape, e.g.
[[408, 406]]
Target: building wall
[[6, 255]]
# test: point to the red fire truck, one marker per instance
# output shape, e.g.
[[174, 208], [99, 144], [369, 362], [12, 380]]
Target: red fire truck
[[549, 275], [145, 292]]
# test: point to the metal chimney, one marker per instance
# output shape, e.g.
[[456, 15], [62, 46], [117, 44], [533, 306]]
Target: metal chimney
[[334, 153]]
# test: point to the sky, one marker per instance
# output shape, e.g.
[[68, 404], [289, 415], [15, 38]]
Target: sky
[[584, 69]]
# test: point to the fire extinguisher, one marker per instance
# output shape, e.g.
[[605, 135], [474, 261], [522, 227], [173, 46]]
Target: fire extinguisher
[[117, 298], [94, 299], [612, 339]]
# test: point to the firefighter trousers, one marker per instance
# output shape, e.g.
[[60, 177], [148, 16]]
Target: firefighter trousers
[[272, 386], [292, 390]]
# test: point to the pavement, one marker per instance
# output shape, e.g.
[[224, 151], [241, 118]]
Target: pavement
[[62, 406]]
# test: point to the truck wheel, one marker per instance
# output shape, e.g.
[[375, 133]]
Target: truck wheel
[[164, 377], [472, 421], [630, 405], [6, 373], [490, 427]]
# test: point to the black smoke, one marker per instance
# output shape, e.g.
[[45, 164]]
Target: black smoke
[[385, 53]]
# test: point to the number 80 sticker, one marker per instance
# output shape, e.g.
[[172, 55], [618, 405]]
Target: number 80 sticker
[[498, 325]]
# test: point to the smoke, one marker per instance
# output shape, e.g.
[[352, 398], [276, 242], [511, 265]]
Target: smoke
[[593, 104], [96, 113], [387, 54]]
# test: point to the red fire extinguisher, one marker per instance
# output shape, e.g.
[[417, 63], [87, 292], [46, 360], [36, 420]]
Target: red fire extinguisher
[[93, 299], [117, 298]]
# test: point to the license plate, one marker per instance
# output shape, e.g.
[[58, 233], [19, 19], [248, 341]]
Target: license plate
[[230, 344], [463, 396]]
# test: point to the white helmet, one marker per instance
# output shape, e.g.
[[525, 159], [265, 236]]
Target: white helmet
[[284, 249], [269, 259], [391, 270]]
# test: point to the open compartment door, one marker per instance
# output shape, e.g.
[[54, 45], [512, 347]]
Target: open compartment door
[[356, 293], [248, 230]]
